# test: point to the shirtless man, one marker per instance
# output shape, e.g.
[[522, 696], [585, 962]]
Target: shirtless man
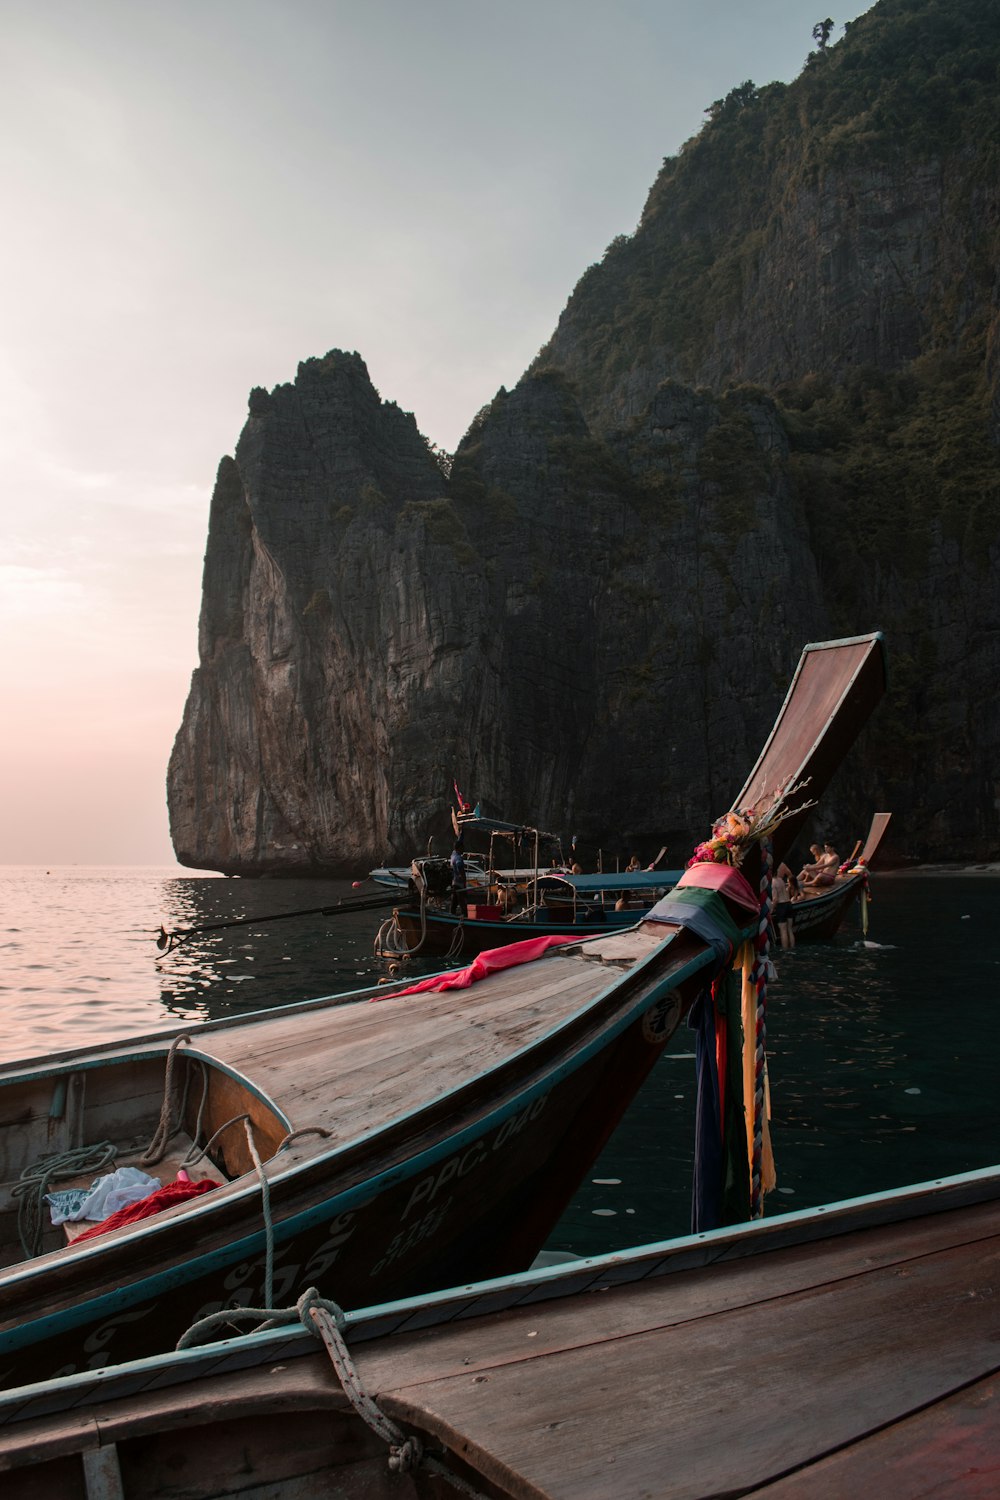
[[825, 871]]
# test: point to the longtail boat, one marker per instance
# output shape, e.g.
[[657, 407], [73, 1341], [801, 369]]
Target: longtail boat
[[505, 900], [386, 1149], [817, 917], [838, 1351], [506, 907], [510, 910]]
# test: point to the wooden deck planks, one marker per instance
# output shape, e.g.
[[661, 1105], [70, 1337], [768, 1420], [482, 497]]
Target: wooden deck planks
[[949, 1449], [397, 1023], [354, 1076], [863, 1364], [731, 1398]]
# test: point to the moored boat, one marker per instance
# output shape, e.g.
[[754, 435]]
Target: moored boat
[[506, 907], [874, 1366], [820, 915], [512, 908], [387, 1149]]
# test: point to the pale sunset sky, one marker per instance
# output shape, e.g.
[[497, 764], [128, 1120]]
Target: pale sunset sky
[[198, 195]]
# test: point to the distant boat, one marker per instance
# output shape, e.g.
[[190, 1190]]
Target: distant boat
[[817, 917], [844, 1348], [580, 905], [514, 905], [382, 1149]]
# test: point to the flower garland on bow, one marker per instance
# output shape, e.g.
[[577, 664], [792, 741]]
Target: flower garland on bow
[[737, 831]]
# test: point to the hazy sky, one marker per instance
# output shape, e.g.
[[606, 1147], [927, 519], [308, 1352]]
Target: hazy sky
[[197, 195]]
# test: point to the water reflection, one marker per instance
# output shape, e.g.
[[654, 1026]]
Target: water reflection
[[286, 951], [883, 1064], [883, 1059], [79, 961]]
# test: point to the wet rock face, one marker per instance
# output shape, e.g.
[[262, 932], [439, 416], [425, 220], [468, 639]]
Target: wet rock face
[[589, 633], [580, 632]]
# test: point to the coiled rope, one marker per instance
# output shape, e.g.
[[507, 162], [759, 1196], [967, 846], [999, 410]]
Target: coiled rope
[[758, 977], [36, 1180], [390, 942]]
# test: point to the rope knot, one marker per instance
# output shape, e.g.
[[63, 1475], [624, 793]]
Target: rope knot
[[311, 1302], [407, 1456]]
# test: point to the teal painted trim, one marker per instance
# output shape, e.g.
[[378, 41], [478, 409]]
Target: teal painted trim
[[913, 1201], [50, 1396]]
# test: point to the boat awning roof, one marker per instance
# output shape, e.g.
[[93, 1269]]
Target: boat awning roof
[[496, 825], [595, 885]]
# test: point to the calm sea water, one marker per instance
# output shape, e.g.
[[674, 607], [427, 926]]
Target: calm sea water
[[884, 1054]]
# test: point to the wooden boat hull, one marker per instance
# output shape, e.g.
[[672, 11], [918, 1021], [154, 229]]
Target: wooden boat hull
[[875, 1370], [427, 1203], [443, 935], [818, 918]]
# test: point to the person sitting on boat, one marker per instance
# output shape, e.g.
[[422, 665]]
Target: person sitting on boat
[[633, 865], [506, 897], [825, 872], [808, 871], [457, 877]]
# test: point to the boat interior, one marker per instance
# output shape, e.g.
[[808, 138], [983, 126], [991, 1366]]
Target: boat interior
[[156, 1111]]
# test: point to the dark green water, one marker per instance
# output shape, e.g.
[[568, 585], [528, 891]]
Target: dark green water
[[884, 1064], [884, 1059]]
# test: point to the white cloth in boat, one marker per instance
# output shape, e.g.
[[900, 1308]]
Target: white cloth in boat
[[106, 1195]]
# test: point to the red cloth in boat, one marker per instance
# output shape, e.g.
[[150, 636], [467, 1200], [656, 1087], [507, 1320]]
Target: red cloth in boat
[[488, 962], [163, 1197]]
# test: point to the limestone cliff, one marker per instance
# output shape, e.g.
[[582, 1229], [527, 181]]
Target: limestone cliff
[[848, 220], [366, 637], [767, 417]]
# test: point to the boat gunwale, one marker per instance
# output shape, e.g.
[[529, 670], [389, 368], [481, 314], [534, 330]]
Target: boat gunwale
[[614, 1269]]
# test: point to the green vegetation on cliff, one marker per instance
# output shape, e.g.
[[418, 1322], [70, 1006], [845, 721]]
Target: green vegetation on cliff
[[911, 88]]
